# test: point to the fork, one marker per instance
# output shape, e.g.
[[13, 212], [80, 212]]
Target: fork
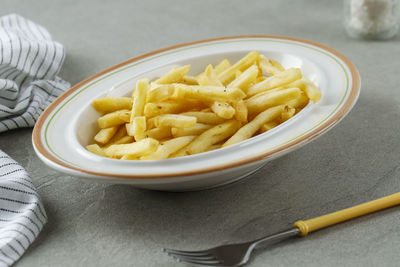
[[233, 255]]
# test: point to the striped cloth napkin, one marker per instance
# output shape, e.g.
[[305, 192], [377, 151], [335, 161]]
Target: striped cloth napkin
[[22, 215], [29, 63]]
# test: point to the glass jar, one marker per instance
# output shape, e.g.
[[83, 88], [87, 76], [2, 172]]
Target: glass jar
[[371, 19]]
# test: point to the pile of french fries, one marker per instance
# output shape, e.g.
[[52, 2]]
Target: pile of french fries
[[178, 114]]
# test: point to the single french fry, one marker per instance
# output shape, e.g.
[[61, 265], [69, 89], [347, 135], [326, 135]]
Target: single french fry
[[213, 136], [244, 80], [264, 101], [173, 120], [277, 65], [209, 77], [168, 147], [287, 113], [241, 111], [130, 129], [125, 115], [123, 140], [143, 147], [205, 117], [267, 66], [212, 76], [268, 126], [150, 123], [110, 104], [180, 153], [249, 129], [299, 102], [96, 149], [280, 79], [312, 91], [258, 80], [159, 92], [139, 99], [223, 65], [137, 128], [190, 80], [174, 76], [104, 135], [118, 135], [237, 74], [208, 93], [213, 147], [112, 119], [130, 157], [229, 74], [272, 90], [223, 110], [159, 133], [195, 130], [155, 109]]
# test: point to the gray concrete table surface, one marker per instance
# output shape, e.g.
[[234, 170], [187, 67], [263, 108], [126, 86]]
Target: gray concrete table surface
[[93, 224]]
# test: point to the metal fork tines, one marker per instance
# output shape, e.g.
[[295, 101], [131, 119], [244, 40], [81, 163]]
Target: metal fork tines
[[227, 255]]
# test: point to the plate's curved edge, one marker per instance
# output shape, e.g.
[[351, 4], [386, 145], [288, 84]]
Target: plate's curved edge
[[340, 114]]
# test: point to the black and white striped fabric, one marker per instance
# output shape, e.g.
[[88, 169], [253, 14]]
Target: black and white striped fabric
[[29, 63], [22, 215]]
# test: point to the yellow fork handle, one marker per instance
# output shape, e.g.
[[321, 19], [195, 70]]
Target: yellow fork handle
[[314, 224]]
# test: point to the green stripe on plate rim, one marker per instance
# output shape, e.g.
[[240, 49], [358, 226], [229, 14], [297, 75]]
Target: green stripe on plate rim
[[176, 50]]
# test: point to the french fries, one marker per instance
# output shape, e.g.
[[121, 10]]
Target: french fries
[[223, 109], [182, 114], [120, 137], [159, 92], [241, 111], [208, 93], [268, 126], [155, 109], [96, 149], [159, 133], [276, 64], [173, 76], [264, 101], [309, 88], [172, 120], [287, 113], [228, 74], [252, 127], [137, 149], [269, 66], [195, 130], [139, 97], [190, 80], [114, 118], [104, 135], [123, 140], [299, 102], [244, 80], [223, 65], [205, 117], [137, 128], [209, 77], [168, 147], [110, 104], [213, 136], [280, 79]]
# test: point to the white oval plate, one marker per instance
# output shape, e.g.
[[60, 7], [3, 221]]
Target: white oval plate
[[69, 123]]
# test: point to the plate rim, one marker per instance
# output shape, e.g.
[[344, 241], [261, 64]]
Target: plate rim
[[339, 114]]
